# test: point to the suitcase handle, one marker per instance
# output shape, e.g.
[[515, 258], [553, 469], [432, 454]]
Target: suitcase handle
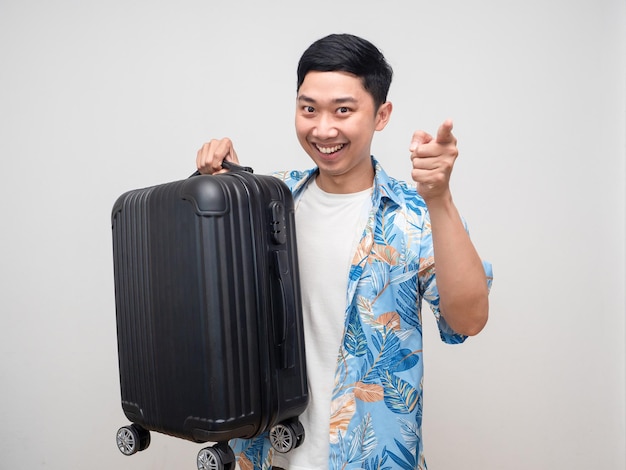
[[287, 307], [230, 166]]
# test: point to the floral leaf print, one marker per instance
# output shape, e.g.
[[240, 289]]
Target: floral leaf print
[[410, 433], [384, 232], [387, 344], [411, 255], [413, 227], [378, 340], [390, 357], [406, 300], [336, 459], [390, 320], [385, 253], [245, 464], [368, 373], [394, 325], [355, 272], [427, 228], [378, 277], [387, 321], [426, 267], [363, 249], [251, 453], [404, 359], [377, 463], [341, 411], [369, 393], [400, 396], [355, 341], [400, 275], [365, 308], [363, 441], [407, 461]]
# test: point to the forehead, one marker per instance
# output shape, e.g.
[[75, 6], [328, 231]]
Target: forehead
[[332, 86]]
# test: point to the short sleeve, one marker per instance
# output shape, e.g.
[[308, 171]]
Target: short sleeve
[[427, 281]]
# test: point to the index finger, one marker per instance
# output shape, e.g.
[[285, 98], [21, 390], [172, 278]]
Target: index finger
[[444, 133]]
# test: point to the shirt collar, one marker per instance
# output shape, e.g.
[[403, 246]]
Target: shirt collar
[[384, 185]]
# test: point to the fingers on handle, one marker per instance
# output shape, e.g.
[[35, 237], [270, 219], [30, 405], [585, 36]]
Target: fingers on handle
[[211, 155]]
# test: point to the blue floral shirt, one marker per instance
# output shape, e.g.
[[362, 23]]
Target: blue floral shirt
[[376, 409]]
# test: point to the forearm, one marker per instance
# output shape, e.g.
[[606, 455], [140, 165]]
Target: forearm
[[461, 279]]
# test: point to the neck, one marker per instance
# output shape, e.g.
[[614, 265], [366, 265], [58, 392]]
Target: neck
[[346, 183]]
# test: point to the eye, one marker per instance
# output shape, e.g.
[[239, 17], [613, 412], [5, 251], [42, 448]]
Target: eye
[[308, 109], [343, 110]]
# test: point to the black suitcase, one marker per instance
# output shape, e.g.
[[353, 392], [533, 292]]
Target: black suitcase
[[208, 308]]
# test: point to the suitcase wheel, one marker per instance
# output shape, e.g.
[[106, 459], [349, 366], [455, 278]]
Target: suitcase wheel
[[132, 439], [218, 457], [287, 435]]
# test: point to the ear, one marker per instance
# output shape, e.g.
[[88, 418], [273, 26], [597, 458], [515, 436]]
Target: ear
[[383, 115]]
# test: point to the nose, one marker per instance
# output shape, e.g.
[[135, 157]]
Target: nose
[[325, 128]]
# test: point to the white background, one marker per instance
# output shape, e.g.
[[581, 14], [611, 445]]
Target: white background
[[100, 97]]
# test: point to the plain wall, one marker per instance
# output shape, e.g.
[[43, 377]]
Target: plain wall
[[100, 97]]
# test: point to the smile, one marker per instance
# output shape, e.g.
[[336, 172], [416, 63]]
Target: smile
[[329, 150]]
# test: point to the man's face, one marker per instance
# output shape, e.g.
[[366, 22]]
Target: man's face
[[335, 124]]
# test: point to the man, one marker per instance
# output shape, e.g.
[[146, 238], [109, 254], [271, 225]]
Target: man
[[368, 248]]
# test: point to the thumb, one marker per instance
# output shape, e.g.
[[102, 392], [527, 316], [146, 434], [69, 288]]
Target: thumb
[[419, 138]]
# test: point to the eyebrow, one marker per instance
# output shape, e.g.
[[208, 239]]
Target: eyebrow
[[340, 100]]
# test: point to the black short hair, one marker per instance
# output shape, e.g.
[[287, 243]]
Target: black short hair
[[352, 54]]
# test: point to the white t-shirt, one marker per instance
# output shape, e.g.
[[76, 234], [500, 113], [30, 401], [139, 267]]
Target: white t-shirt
[[328, 228]]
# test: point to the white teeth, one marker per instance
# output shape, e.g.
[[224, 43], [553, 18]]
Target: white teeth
[[329, 150]]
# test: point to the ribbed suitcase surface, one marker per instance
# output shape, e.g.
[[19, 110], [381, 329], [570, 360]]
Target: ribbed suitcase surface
[[209, 321]]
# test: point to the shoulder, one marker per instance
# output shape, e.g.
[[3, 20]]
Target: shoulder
[[294, 179], [402, 194]]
